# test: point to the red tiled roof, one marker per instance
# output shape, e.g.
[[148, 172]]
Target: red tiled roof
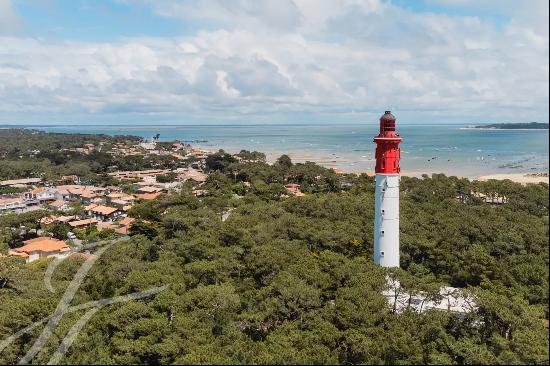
[[48, 219], [105, 225], [122, 230], [126, 221], [42, 244], [150, 189], [83, 222], [64, 218], [57, 203], [147, 196], [18, 254], [104, 210]]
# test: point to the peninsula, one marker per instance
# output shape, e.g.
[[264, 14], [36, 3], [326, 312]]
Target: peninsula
[[514, 126]]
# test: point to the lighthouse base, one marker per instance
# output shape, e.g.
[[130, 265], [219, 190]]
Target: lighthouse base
[[386, 220]]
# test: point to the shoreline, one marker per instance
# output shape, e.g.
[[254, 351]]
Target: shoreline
[[336, 163], [343, 165], [523, 178], [503, 129]]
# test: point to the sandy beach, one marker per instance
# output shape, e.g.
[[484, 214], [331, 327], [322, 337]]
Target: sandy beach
[[522, 178], [342, 164]]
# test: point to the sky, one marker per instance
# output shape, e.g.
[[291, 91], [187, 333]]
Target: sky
[[272, 61]]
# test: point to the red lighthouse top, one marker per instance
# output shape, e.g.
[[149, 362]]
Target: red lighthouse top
[[387, 146]]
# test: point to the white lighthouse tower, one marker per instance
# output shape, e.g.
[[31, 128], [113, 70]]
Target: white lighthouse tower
[[386, 217]]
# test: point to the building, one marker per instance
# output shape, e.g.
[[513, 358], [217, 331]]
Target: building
[[40, 195], [185, 174], [386, 231], [64, 219], [450, 299], [62, 194], [20, 182], [12, 204], [103, 212], [125, 225], [70, 179], [386, 214], [294, 189], [147, 196], [121, 204], [83, 223], [149, 189], [148, 145], [41, 247], [139, 174], [119, 196], [106, 225], [59, 205]]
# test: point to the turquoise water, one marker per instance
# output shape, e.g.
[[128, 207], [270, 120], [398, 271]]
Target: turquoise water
[[425, 148]]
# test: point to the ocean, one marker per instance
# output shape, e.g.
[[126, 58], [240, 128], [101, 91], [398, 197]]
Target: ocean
[[445, 148]]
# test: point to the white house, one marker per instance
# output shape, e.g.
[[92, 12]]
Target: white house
[[13, 204], [41, 247]]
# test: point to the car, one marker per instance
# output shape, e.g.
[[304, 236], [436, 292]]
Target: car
[[71, 235]]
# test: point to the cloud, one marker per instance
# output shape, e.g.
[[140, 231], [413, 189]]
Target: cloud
[[323, 58], [9, 21], [234, 14]]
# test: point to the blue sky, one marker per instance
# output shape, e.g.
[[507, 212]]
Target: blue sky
[[269, 61], [103, 21]]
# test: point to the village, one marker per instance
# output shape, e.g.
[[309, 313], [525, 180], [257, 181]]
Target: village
[[83, 208]]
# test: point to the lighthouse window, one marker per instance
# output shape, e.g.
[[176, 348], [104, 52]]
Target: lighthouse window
[[381, 254], [383, 211], [382, 232]]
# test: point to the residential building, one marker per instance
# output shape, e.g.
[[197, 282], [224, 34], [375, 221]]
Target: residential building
[[103, 212], [13, 204], [125, 225], [149, 189], [294, 189], [106, 225], [59, 205], [83, 223], [41, 247], [40, 195], [147, 196], [20, 182]]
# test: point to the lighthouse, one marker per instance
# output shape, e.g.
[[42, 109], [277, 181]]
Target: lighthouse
[[386, 216]]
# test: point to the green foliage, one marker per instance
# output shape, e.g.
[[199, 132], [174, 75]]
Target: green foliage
[[59, 230], [219, 161], [29, 153], [146, 229], [11, 190], [284, 161], [167, 178], [290, 280], [251, 156]]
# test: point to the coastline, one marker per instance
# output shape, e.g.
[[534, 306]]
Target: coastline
[[502, 129], [338, 163], [342, 164], [522, 178]]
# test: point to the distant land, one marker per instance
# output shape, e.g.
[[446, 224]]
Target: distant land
[[514, 126]]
